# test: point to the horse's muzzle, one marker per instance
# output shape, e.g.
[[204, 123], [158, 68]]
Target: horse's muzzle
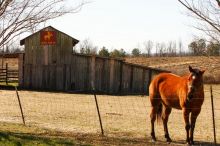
[[190, 93]]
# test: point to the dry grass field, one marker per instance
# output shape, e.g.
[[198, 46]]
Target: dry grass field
[[179, 65], [125, 118]]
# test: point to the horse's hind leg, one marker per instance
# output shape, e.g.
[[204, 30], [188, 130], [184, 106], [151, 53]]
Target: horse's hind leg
[[155, 103], [165, 117], [153, 118]]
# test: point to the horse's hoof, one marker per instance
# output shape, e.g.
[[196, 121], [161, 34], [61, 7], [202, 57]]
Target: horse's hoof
[[188, 143], [192, 143], [153, 139], [169, 140]]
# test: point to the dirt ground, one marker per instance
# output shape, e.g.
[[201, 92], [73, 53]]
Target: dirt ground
[[125, 118]]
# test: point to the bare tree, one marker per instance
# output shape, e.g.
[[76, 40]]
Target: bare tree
[[19, 16], [171, 48], [161, 49], [174, 48], [180, 47], [218, 2], [207, 12], [157, 46], [87, 47], [148, 45]]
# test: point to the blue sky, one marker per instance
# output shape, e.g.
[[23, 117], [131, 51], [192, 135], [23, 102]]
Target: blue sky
[[127, 24]]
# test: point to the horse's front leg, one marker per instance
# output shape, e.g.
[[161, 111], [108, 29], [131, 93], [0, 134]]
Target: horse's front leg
[[186, 113], [194, 115]]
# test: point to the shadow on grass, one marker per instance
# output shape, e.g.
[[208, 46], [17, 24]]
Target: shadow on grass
[[197, 143], [131, 141], [25, 139], [56, 138]]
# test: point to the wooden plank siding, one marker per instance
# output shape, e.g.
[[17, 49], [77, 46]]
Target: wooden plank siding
[[126, 78], [21, 69], [137, 84], [80, 73], [110, 76], [55, 67]]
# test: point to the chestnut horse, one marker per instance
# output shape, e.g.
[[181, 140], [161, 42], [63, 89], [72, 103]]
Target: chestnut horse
[[169, 91]]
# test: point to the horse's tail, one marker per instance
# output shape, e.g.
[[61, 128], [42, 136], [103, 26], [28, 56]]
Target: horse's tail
[[159, 113], [155, 98]]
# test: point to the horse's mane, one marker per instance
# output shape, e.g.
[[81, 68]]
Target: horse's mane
[[181, 76]]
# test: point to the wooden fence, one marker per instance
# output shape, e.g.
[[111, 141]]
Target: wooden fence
[[8, 75], [87, 72]]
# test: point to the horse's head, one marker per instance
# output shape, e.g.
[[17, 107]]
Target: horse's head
[[195, 81]]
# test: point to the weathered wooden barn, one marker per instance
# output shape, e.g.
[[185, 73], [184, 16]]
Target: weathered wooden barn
[[50, 64]]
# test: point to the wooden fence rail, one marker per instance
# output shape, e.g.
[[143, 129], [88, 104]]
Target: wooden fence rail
[[8, 75]]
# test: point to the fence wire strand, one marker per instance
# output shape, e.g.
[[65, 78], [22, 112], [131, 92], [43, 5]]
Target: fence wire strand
[[121, 115]]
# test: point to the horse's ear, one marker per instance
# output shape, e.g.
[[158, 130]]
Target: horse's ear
[[190, 69], [202, 72]]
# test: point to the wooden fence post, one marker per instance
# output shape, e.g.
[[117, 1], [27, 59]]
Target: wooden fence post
[[143, 82], [6, 74], [213, 115], [93, 75], [120, 78], [112, 76], [131, 79], [21, 70]]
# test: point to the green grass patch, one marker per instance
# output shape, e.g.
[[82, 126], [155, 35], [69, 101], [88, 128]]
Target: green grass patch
[[9, 84], [19, 135]]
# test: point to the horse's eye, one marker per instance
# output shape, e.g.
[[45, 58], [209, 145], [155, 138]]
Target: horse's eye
[[193, 77]]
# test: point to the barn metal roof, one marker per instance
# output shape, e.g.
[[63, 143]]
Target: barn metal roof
[[75, 41]]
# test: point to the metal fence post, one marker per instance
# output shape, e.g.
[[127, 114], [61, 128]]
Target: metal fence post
[[97, 107], [22, 114], [213, 115]]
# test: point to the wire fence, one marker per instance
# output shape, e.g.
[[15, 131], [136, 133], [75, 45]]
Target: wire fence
[[121, 115]]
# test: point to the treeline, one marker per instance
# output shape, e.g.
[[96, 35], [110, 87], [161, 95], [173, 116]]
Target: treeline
[[86, 47], [202, 47], [8, 50], [197, 47]]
